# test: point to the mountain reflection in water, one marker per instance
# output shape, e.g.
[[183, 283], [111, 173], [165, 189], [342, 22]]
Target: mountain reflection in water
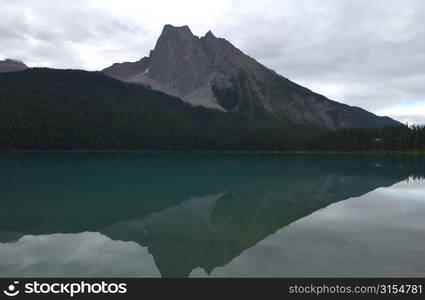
[[219, 215]]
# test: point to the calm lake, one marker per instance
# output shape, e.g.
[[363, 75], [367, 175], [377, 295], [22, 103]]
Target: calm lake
[[191, 215]]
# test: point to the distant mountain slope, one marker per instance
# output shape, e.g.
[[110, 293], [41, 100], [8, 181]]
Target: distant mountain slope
[[46, 109], [211, 72], [11, 65]]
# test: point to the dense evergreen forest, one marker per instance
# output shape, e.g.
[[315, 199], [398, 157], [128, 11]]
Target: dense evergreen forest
[[45, 109], [390, 138]]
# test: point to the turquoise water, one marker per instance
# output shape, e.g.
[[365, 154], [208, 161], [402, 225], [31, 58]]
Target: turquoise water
[[280, 215]]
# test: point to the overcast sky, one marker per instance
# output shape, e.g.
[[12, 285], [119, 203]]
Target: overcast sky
[[368, 53]]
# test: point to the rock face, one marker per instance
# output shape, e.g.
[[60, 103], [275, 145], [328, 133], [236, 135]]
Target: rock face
[[211, 72], [11, 65]]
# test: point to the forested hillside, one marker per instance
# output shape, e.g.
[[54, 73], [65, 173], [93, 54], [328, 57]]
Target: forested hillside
[[45, 109]]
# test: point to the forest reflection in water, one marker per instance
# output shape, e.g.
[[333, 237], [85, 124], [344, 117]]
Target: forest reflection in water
[[218, 215]]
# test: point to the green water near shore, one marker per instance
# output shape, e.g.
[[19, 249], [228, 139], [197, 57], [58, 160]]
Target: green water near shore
[[210, 214]]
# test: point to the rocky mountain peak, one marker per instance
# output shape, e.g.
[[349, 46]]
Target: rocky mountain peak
[[11, 65], [175, 34], [211, 72], [173, 41], [176, 29], [209, 35]]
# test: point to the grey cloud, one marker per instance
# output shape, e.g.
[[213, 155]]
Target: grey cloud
[[47, 34], [410, 119]]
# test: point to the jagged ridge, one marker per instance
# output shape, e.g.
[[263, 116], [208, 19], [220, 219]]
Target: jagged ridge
[[211, 72]]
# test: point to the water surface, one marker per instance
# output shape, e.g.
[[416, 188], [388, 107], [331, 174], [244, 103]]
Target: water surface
[[113, 215]]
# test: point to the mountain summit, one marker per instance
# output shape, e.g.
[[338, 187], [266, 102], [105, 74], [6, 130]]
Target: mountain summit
[[11, 65], [211, 72]]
